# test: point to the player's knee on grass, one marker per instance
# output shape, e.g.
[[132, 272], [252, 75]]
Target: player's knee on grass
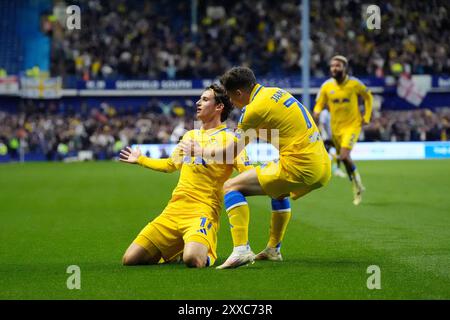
[[195, 255], [137, 255], [129, 260], [194, 260]]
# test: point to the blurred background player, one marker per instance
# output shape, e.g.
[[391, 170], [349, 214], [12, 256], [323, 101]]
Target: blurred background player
[[304, 164], [340, 94], [190, 221]]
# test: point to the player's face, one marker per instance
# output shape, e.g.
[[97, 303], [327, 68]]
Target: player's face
[[207, 107], [337, 69], [238, 98]]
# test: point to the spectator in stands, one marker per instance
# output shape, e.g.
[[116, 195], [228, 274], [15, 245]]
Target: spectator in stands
[[100, 130], [138, 39]]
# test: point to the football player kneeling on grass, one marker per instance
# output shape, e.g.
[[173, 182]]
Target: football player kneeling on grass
[[188, 225]]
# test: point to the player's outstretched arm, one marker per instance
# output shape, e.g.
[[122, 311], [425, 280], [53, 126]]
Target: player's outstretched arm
[[135, 157], [130, 156]]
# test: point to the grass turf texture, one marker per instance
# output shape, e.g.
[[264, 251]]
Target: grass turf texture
[[54, 215]]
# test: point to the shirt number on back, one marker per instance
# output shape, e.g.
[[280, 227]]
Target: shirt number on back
[[291, 101]]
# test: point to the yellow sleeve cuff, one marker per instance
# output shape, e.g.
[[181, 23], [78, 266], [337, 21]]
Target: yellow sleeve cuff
[[141, 159]]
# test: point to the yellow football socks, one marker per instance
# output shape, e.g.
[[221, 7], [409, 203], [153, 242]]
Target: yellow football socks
[[238, 216], [278, 226], [281, 214]]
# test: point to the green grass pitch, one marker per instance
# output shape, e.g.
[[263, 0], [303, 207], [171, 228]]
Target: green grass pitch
[[54, 215]]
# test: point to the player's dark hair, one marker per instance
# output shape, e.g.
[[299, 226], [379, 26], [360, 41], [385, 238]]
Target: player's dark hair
[[220, 95], [236, 78]]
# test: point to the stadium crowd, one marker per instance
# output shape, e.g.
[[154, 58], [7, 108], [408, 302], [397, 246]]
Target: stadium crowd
[[107, 129], [153, 39], [415, 125]]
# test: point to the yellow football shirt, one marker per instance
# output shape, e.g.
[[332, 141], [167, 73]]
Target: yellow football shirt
[[342, 101], [201, 181], [275, 108]]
